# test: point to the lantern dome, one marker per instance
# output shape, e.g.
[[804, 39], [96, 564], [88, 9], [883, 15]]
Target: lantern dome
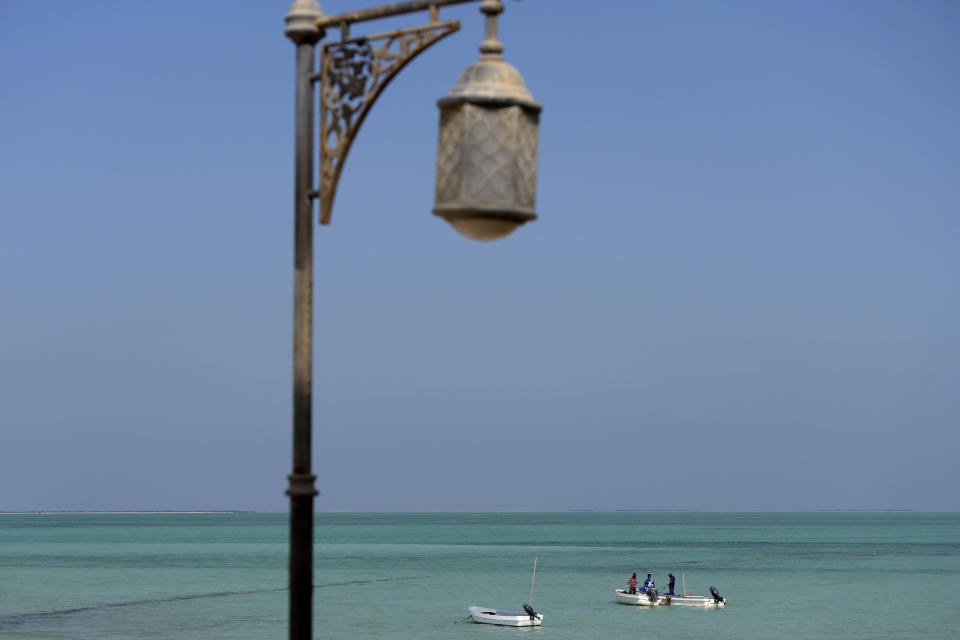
[[490, 79]]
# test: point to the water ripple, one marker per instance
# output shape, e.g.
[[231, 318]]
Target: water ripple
[[10, 621]]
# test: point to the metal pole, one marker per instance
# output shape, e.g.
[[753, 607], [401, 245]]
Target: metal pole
[[301, 28], [302, 489]]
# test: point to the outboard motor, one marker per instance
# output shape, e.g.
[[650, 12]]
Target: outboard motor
[[716, 595], [530, 611], [652, 594]]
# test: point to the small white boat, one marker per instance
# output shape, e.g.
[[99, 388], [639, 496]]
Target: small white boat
[[486, 615], [641, 598], [713, 601], [692, 601]]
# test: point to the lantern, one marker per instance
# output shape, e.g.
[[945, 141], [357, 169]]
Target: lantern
[[487, 147]]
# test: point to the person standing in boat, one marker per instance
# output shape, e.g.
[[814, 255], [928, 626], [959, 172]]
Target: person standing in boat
[[632, 583], [648, 584], [672, 583]]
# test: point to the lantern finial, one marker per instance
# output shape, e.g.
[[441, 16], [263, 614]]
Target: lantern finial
[[491, 45]]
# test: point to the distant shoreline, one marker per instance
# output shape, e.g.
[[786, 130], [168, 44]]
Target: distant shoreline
[[463, 511], [126, 512]]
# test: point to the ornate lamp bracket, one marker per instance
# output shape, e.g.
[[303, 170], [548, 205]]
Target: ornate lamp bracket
[[354, 71]]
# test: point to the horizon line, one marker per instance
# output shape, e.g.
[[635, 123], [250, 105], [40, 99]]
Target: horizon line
[[467, 511]]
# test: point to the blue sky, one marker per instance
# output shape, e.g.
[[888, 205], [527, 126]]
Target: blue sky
[[741, 292]]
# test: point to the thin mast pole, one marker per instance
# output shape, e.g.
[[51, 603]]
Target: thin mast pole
[[534, 579]]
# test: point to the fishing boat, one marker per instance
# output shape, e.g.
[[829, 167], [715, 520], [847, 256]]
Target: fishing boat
[[487, 615], [642, 598], [713, 601]]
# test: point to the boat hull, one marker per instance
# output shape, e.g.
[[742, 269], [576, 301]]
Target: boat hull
[[641, 599], [691, 601], [487, 615]]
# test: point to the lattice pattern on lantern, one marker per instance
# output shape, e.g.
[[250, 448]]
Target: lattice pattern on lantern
[[527, 158], [489, 165], [487, 159], [449, 155]]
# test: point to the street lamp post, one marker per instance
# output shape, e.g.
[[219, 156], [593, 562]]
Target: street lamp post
[[486, 179]]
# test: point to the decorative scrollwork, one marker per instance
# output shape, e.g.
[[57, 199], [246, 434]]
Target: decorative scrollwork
[[353, 74]]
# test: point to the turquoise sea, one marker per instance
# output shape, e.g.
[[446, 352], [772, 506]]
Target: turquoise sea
[[412, 575]]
